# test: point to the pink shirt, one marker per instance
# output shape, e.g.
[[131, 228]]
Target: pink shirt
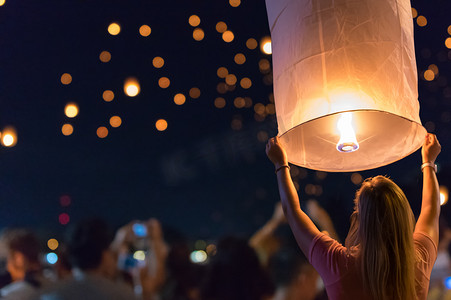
[[339, 267]]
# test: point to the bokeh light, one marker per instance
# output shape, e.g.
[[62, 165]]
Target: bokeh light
[[51, 258], [66, 78], [105, 56], [239, 58], [194, 20], [131, 87], [198, 256], [251, 43], [115, 121], [220, 102], [245, 83], [239, 102], [449, 29], [448, 43], [198, 34], [264, 65], [164, 82], [265, 45], [448, 282], [67, 129], [414, 13], [2, 2], [429, 75], [222, 72], [422, 21], [139, 255], [230, 79], [52, 244], [158, 62], [65, 200], [221, 27], [356, 178], [161, 125], [108, 96], [179, 99], [64, 219], [228, 36], [194, 92], [234, 3], [114, 29], [102, 132], [434, 69], [71, 110], [145, 30], [9, 137]]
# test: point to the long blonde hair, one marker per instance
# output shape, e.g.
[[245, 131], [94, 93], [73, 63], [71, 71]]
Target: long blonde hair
[[382, 227]]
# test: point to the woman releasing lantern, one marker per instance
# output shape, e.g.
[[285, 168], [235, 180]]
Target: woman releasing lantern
[[386, 256]]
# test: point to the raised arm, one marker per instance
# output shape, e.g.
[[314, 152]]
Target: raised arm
[[430, 205], [304, 230]]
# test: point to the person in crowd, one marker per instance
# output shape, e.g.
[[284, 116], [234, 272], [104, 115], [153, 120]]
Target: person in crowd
[[293, 276], [386, 255], [236, 273], [22, 250], [93, 253]]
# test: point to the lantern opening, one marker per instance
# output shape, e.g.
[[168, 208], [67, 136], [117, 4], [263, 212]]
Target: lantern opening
[[348, 141]]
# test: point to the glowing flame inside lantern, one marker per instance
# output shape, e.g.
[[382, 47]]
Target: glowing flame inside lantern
[[131, 87], [443, 195], [348, 141]]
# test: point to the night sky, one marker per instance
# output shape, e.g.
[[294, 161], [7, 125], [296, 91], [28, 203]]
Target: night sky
[[206, 174]]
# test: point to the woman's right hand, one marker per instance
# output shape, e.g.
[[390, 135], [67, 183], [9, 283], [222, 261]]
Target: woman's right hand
[[431, 148]]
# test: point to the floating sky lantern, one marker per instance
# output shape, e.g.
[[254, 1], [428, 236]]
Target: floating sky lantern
[[345, 82]]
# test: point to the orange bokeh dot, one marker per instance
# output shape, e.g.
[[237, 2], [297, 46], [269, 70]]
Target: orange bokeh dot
[[115, 121], [102, 132], [194, 20], [230, 79], [105, 56], [161, 125], [164, 82], [194, 92], [158, 62], [145, 30], [221, 27], [251, 43], [179, 99], [228, 36], [67, 129], [66, 78], [108, 96], [198, 34], [222, 72], [220, 102]]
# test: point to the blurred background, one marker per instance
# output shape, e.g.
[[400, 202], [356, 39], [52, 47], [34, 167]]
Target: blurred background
[[135, 109]]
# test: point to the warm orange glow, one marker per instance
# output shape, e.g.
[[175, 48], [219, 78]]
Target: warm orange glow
[[158, 62], [444, 195], [164, 82], [448, 43], [414, 13], [239, 102], [228, 36], [52, 244], [248, 102], [356, 178], [270, 109], [114, 28], [71, 110], [115, 121], [234, 3], [102, 132], [422, 21], [105, 56], [221, 27], [198, 34], [9, 137], [434, 69], [108, 96], [222, 72], [265, 45], [220, 102], [66, 78], [230, 79], [251, 43], [429, 75], [161, 125], [67, 129], [245, 83], [194, 20], [222, 88], [145, 30], [259, 108], [240, 58], [131, 87], [194, 93], [179, 99], [264, 65]]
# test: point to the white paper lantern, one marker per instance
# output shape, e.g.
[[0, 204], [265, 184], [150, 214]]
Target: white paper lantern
[[345, 65]]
